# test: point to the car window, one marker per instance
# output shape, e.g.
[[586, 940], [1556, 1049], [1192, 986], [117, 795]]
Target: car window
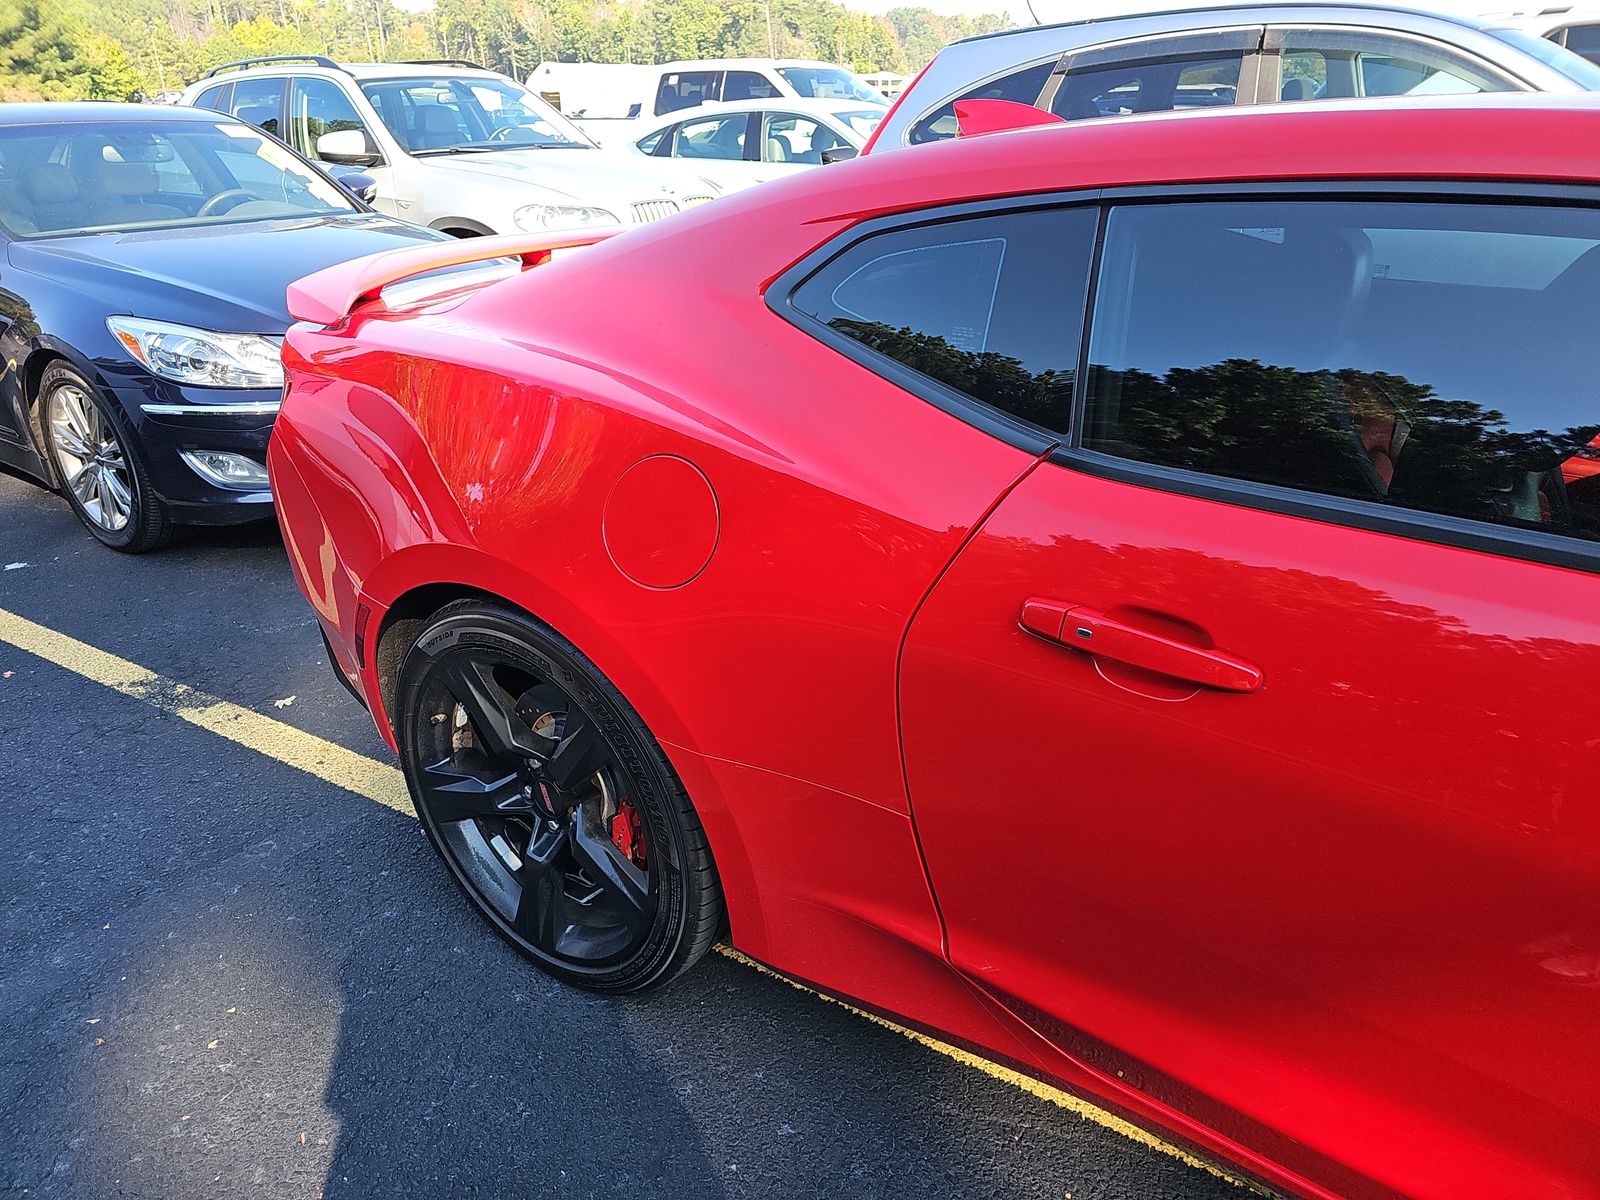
[[990, 306], [747, 85], [318, 106], [685, 89], [712, 137], [649, 142], [1583, 40], [1343, 64], [1423, 356], [1022, 86], [1154, 85], [791, 138], [92, 177], [258, 102], [214, 97]]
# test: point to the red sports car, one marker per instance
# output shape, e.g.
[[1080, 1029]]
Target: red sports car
[[1109, 594]]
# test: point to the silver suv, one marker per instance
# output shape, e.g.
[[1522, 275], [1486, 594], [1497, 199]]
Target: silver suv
[[451, 145], [1229, 54]]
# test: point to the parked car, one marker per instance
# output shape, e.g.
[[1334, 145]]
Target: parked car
[[1575, 27], [740, 145], [1223, 55], [676, 86], [451, 146], [1167, 539], [145, 253]]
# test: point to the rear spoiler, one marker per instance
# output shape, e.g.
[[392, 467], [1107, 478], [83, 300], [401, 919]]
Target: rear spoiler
[[977, 117], [327, 297]]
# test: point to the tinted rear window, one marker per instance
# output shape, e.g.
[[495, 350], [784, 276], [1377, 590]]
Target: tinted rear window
[[991, 307]]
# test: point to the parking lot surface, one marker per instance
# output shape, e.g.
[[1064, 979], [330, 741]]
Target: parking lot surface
[[225, 975]]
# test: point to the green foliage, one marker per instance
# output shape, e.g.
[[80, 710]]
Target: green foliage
[[91, 49], [38, 53]]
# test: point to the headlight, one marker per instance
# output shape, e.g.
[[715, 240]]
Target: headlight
[[199, 356], [536, 218]]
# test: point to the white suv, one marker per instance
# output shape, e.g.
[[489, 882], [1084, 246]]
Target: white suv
[[451, 146]]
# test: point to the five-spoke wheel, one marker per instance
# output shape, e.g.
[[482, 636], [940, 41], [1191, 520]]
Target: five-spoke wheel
[[553, 807]]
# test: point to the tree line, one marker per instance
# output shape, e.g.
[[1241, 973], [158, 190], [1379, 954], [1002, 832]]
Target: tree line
[[98, 50]]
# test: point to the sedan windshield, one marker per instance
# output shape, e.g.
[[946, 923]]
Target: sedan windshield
[[831, 83], [69, 178], [472, 113]]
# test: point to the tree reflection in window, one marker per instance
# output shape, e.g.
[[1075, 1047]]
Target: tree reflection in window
[[1364, 435], [1044, 399]]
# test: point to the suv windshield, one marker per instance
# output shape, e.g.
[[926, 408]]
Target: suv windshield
[[69, 178], [466, 113], [831, 83]]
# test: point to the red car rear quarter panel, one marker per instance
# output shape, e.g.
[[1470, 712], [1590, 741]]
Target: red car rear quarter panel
[[480, 446]]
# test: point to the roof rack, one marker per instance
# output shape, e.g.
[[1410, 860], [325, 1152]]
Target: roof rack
[[444, 62], [244, 64]]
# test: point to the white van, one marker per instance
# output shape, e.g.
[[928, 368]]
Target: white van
[[604, 99]]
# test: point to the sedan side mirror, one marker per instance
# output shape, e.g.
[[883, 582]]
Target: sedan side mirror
[[359, 184], [350, 147], [840, 154]]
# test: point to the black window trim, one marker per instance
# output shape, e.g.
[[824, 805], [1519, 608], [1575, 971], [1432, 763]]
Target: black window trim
[[1068, 452], [1167, 48]]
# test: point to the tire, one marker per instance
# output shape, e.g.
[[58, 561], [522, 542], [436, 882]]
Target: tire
[[551, 804], [95, 466]]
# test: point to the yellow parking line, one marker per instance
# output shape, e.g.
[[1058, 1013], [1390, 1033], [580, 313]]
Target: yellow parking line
[[343, 768], [384, 784]]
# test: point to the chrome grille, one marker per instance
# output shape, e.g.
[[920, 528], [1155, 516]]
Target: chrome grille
[[653, 210]]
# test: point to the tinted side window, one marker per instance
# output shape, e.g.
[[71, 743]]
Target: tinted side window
[[1157, 85], [1342, 64], [712, 137], [990, 306], [318, 106], [685, 89], [1584, 40], [214, 97], [258, 102], [1435, 357], [1022, 86], [747, 85]]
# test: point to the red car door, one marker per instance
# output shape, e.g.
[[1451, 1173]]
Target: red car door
[[1254, 741]]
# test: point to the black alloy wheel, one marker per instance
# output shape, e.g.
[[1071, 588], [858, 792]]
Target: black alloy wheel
[[553, 807]]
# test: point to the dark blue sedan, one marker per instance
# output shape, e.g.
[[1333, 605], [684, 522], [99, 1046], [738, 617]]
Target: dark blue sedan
[[144, 254]]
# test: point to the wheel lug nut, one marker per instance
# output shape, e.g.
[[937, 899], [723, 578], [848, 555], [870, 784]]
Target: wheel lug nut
[[553, 825]]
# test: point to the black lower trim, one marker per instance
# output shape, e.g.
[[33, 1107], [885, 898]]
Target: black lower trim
[[338, 672]]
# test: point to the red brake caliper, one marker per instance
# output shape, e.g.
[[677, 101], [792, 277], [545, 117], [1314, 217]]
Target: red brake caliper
[[627, 833]]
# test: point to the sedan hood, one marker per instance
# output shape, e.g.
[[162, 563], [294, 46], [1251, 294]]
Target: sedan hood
[[230, 278], [585, 176]]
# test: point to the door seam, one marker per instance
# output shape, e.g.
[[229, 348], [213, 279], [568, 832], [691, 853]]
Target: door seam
[[899, 664]]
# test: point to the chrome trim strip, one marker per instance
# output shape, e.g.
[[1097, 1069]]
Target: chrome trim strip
[[262, 408]]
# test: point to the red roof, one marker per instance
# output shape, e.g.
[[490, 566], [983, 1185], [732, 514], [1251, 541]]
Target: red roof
[[1507, 137]]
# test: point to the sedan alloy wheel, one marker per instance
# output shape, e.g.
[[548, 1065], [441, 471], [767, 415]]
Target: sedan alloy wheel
[[96, 467]]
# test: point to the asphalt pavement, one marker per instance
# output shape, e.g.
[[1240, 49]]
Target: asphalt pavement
[[223, 976]]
